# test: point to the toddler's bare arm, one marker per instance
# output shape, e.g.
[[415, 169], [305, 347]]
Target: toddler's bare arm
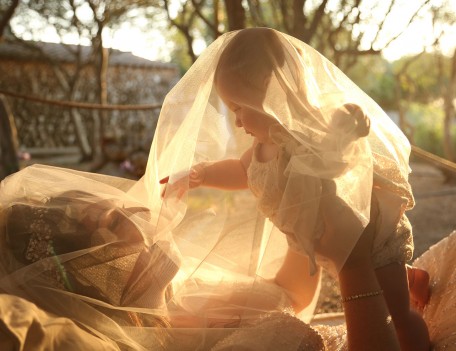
[[230, 174]]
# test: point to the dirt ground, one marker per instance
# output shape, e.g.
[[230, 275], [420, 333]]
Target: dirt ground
[[434, 215], [432, 218]]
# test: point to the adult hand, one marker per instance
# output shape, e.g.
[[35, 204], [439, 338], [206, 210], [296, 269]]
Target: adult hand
[[185, 181]]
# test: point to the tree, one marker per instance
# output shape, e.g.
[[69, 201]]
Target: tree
[[450, 111], [9, 162], [403, 82], [105, 14], [8, 139], [373, 74], [445, 19], [63, 17], [344, 31], [7, 11], [437, 84]]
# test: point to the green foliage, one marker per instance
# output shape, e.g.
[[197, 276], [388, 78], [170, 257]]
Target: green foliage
[[428, 126], [424, 77], [179, 52], [374, 76], [422, 82]]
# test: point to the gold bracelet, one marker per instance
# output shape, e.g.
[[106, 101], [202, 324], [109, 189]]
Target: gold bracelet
[[360, 296]]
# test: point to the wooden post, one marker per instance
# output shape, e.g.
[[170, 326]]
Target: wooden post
[[9, 162]]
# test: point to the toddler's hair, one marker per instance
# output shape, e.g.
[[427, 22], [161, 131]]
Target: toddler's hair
[[352, 119], [252, 55]]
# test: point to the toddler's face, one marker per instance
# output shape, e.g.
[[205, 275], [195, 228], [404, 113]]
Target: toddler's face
[[246, 104], [254, 123]]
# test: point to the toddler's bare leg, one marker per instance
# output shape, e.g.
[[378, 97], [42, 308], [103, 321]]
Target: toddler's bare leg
[[410, 327], [294, 276]]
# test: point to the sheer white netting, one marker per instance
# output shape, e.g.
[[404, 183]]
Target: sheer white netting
[[323, 119], [141, 272]]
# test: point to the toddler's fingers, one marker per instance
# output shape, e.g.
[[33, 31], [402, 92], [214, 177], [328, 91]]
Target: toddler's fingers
[[168, 190], [181, 193], [193, 174], [163, 192]]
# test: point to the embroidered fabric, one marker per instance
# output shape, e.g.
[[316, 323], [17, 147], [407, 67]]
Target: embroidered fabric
[[334, 337]]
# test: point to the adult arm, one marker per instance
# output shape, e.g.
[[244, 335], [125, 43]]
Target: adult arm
[[369, 323]]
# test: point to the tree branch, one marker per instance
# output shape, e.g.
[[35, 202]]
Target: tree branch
[[183, 28], [318, 15], [236, 14], [4, 21], [299, 20], [412, 18], [256, 13], [212, 26]]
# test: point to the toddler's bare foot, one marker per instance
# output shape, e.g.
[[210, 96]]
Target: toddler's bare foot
[[418, 287]]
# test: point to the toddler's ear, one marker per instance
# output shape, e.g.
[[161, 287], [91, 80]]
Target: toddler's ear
[[350, 117]]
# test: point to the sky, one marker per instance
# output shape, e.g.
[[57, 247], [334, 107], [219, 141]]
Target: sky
[[419, 34], [153, 45]]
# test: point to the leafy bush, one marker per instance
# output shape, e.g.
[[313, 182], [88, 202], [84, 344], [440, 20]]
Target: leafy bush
[[427, 121]]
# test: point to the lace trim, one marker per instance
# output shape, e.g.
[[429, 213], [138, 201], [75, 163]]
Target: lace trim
[[263, 183]]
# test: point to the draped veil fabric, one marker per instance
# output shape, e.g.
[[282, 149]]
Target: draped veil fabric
[[140, 272]]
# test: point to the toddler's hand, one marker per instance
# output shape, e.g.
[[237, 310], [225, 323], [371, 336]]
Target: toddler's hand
[[189, 180]]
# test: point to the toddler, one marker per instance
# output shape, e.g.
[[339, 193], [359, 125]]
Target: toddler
[[322, 154]]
